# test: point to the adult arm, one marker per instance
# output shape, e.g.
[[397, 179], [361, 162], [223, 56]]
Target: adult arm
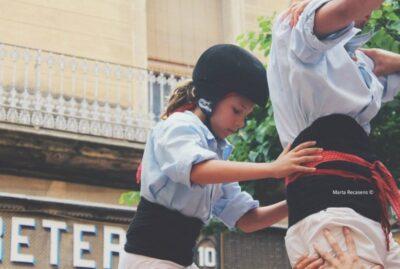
[[337, 14]]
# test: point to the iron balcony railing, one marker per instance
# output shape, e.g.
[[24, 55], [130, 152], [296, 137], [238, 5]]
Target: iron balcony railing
[[42, 89]]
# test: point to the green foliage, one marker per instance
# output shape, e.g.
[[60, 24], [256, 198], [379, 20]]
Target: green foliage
[[385, 134], [386, 23], [129, 198], [260, 41]]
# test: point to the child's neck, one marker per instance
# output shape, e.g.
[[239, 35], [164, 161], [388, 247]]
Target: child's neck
[[197, 111]]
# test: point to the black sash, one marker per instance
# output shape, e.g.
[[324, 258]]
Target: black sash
[[313, 193], [161, 233]]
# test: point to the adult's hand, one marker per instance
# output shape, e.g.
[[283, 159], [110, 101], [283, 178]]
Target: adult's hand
[[342, 260], [312, 262], [385, 62], [295, 10]]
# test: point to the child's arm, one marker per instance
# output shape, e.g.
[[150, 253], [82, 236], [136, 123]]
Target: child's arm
[[289, 162], [262, 217]]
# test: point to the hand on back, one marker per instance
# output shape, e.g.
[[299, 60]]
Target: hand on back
[[295, 160], [341, 260]]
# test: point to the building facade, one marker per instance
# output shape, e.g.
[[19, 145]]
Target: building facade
[[81, 85]]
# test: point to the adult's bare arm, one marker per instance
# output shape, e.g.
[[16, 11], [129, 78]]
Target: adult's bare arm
[[337, 14]]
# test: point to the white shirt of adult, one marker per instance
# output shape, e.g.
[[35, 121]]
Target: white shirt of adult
[[310, 78]]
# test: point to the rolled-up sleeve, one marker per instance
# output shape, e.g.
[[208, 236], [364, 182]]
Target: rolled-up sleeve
[[177, 149], [233, 204], [391, 87], [306, 45]]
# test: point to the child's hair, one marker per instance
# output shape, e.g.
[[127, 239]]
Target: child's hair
[[184, 94]]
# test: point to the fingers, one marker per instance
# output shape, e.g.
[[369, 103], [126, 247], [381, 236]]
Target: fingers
[[286, 13], [304, 169], [295, 18], [369, 52], [308, 159], [378, 71], [373, 54], [378, 267], [301, 262], [305, 261], [333, 243], [304, 145], [296, 11], [351, 246], [315, 264], [308, 152], [294, 7], [326, 256], [296, 15], [286, 149]]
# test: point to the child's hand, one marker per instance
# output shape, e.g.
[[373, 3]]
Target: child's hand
[[292, 161]]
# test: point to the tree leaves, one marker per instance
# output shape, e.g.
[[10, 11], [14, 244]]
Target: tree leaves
[[129, 198], [385, 136]]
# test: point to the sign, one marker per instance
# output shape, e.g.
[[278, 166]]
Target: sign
[[48, 243], [206, 253]]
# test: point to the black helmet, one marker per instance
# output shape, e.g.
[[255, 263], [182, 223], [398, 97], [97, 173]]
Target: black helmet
[[228, 68]]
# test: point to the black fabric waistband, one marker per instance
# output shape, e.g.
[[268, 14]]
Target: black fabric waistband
[[161, 233], [340, 133], [313, 193]]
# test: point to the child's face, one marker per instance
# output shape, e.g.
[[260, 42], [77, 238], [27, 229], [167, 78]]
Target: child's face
[[230, 114]]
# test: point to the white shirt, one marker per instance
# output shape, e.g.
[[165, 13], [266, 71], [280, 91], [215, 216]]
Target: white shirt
[[173, 147], [310, 78]]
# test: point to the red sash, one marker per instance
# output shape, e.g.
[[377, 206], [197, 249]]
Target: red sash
[[388, 192]]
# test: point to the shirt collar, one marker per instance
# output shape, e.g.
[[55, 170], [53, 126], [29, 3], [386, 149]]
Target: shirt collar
[[222, 143]]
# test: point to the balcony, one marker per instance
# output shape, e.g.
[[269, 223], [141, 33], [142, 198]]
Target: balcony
[[49, 91], [75, 119]]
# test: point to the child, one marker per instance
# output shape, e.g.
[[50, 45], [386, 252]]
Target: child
[[324, 89], [186, 179]]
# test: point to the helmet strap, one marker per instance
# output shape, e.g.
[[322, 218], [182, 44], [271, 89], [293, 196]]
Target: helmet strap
[[206, 107]]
